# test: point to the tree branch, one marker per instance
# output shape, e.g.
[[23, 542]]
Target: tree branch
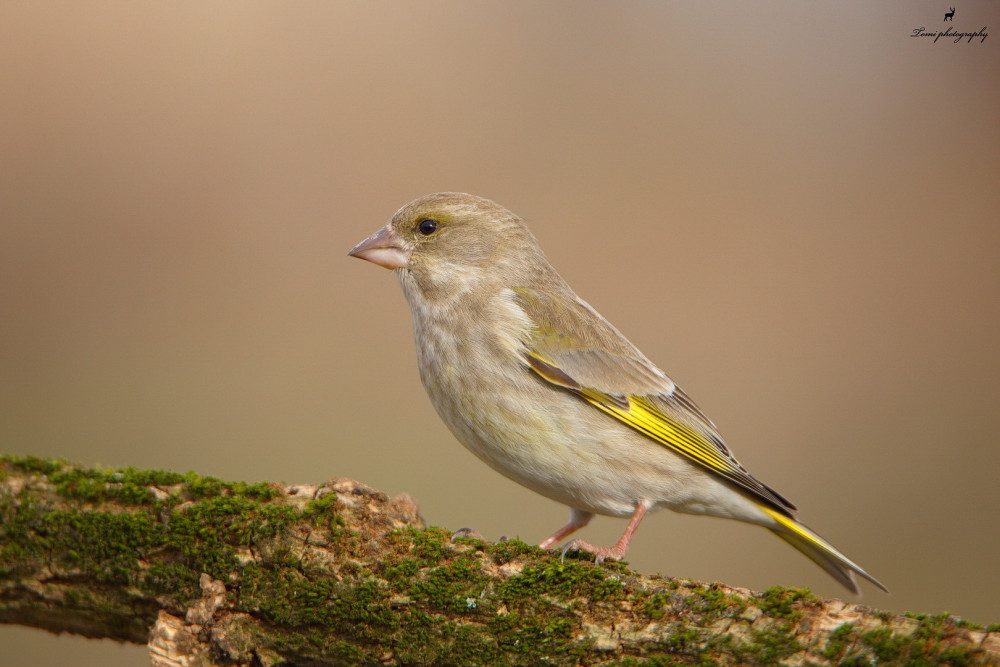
[[209, 572]]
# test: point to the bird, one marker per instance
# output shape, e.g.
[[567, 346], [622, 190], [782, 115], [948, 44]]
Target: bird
[[538, 385]]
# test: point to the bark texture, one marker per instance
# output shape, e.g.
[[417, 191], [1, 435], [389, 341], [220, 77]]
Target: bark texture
[[208, 572]]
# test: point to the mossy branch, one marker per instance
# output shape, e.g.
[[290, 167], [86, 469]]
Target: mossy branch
[[209, 572]]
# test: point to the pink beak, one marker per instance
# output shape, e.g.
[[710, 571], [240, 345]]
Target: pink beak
[[383, 248]]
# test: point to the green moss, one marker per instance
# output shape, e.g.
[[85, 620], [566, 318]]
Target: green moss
[[922, 647], [262, 491], [884, 645], [766, 645], [325, 646], [208, 532], [181, 539], [957, 656], [655, 606], [457, 587], [403, 572], [839, 640], [196, 486], [101, 543], [127, 486], [360, 609], [523, 633], [323, 512], [449, 644], [415, 593], [172, 579], [11, 554], [779, 602], [563, 579], [773, 644], [682, 638], [716, 603], [33, 464], [431, 545], [509, 550]]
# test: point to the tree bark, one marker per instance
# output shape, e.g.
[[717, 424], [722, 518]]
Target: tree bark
[[208, 572]]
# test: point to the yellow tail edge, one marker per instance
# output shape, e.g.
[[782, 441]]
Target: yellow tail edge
[[821, 552]]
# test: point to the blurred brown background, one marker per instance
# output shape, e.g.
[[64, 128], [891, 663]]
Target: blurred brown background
[[791, 207]]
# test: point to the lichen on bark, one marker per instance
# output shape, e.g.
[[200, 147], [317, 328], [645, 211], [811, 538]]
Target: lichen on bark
[[227, 573]]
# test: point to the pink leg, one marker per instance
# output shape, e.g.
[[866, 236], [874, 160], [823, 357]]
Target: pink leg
[[577, 519], [618, 551]]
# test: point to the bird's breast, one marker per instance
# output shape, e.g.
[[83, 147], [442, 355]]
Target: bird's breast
[[470, 362], [530, 431]]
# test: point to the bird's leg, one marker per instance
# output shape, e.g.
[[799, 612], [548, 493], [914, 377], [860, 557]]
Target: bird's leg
[[577, 519], [618, 551]]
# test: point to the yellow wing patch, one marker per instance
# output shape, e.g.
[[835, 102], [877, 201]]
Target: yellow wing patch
[[645, 416]]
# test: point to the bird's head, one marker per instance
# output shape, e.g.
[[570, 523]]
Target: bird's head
[[449, 242]]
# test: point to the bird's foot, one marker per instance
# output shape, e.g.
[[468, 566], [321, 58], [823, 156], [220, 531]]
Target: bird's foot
[[601, 554]]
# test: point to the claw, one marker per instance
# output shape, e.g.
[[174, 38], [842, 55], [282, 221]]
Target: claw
[[601, 554]]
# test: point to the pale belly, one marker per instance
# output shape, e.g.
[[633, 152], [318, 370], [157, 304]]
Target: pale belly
[[578, 456]]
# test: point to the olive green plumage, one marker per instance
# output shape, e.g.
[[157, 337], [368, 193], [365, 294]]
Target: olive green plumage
[[538, 385]]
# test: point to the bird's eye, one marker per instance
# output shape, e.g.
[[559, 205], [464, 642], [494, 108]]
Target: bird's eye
[[427, 226]]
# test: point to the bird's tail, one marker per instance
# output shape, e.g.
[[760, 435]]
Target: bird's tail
[[820, 551]]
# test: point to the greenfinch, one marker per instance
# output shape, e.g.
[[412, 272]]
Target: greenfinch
[[541, 387]]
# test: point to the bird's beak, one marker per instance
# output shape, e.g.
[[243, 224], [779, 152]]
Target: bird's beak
[[384, 248]]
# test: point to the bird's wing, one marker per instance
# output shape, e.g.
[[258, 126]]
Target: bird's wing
[[572, 347]]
